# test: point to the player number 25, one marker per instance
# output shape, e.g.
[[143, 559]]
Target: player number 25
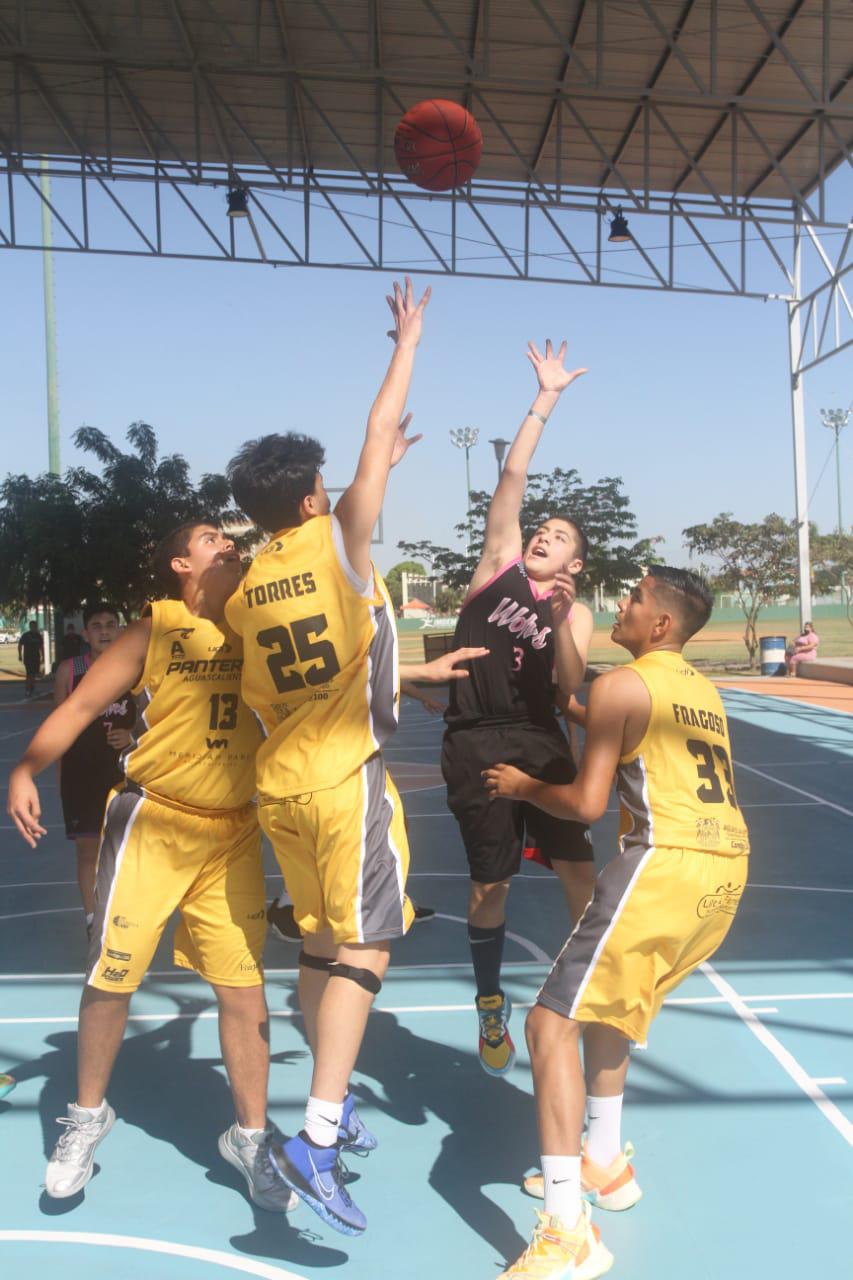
[[295, 644], [711, 792]]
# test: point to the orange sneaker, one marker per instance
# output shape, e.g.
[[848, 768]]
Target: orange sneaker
[[558, 1252], [496, 1050], [614, 1188]]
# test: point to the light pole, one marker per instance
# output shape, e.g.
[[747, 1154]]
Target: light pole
[[465, 438], [836, 420], [500, 447]]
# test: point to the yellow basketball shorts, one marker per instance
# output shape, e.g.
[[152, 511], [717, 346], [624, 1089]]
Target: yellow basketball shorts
[[654, 916], [344, 856], [155, 859]]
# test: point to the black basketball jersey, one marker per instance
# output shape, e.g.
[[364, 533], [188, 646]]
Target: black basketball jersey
[[514, 683], [90, 761]]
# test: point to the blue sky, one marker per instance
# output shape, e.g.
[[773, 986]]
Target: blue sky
[[686, 398]]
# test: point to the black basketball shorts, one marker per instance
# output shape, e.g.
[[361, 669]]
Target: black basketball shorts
[[496, 832]]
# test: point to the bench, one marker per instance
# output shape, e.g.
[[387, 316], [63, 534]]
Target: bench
[[837, 670]]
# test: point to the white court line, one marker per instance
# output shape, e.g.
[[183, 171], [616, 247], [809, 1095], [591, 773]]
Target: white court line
[[209, 1015], [51, 911], [797, 888], [530, 947], [230, 1261], [277, 973], [829, 1079], [786, 1060], [16, 734], [830, 804]]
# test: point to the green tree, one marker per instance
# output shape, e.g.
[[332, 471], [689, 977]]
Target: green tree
[[602, 509], [394, 579], [758, 563], [832, 556], [91, 534]]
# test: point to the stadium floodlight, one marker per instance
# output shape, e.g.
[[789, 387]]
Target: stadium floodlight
[[836, 420], [619, 232], [238, 202], [500, 447], [465, 438]]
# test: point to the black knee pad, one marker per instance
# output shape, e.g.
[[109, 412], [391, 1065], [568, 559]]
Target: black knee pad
[[361, 977], [316, 962]]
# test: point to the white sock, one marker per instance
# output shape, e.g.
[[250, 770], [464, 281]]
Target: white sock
[[322, 1120], [562, 1176], [249, 1134], [95, 1112], [90, 916], [284, 899], [604, 1135]]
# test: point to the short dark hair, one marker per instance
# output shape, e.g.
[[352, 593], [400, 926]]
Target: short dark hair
[[269, 478], [96, 607], [581, 540], [688, 592], [176, 543]]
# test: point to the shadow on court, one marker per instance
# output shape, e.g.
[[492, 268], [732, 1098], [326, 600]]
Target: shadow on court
[[174, 1098]]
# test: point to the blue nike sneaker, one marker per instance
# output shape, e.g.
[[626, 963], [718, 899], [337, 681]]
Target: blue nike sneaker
[[317, 1177], [353, 1134]]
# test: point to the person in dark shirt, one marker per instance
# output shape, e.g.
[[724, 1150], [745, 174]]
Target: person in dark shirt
[[91, 766], [31, 653], [72, 643]]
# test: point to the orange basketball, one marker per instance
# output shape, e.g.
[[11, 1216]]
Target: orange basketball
[[438, 145]]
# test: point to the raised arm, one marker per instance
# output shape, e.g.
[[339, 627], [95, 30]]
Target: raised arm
[[617, 716], [503, 528], [360, 505], [118, 670]]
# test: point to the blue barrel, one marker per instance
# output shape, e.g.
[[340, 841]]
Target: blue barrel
[[772, 655]]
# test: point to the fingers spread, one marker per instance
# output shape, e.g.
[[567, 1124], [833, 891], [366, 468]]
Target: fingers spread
[[535, 350]]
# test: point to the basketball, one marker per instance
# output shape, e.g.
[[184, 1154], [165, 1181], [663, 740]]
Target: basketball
[[438, 145]]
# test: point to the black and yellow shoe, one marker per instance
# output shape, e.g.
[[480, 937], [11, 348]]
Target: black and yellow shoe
[[496, 1051]]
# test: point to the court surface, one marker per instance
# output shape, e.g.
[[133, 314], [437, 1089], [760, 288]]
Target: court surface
[[740, 1108]]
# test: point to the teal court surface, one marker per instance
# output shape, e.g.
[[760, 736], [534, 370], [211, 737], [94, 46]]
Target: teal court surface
[[740, 1107]]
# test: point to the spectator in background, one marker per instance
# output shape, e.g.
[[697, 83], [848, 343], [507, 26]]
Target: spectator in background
[[72, 643], [804, 648], [31, 653]]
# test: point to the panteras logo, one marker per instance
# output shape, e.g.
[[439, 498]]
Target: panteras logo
[[122, 922], [725, 899]]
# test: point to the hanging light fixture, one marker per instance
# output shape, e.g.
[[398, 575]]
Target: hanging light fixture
[[238, 202], [619, 232]]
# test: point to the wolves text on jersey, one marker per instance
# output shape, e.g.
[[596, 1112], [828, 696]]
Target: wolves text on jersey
[[520, 622]]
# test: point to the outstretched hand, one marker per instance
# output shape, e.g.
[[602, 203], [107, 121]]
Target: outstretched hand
[[444, 668], [24, 807], [563, 597], [408, 315], [549, 368], [403, 443]]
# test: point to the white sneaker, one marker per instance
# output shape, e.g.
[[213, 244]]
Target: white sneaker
[[70, 1165], [251, 1156]]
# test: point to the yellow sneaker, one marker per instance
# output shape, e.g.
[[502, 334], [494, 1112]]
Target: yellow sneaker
[[557, 1252], [496, 1050], [614, 1188]]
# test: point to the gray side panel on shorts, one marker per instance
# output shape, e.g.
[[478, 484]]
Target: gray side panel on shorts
[[120, 816], [575, 963], [382, 674], [382, 887]]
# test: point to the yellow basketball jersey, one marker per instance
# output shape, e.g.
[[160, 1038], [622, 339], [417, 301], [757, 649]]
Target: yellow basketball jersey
[[320, 659], [676, 788], [195, 739]]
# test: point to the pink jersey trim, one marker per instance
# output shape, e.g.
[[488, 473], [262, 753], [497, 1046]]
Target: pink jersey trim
[[473, 595]]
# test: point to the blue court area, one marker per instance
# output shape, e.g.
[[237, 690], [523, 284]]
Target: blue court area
[[740, 1108]]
